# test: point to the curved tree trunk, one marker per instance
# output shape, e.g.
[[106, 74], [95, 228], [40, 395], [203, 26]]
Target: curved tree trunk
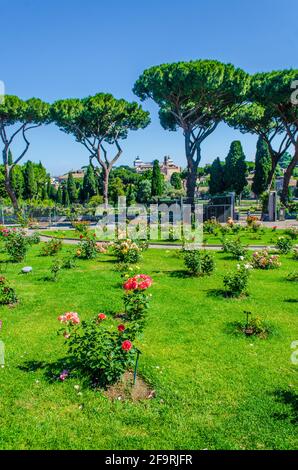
[[192, 164], [191, 181], [7, 182], [106, 175], [11, 194]]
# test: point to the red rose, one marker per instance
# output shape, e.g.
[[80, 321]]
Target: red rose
[[126, 345], [121, 327], [81, 236], [131, 284], [102, 316]]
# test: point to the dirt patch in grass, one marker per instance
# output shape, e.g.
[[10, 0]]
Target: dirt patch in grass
[[126, 390]]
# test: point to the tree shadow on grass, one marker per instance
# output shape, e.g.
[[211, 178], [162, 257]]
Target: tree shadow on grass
[[290, 398], [291, 301], [225, 294], [181, 273], [52, 370], [217, 293]]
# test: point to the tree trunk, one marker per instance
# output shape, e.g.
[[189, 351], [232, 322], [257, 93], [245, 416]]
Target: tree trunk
[[192, 165], [191, 181], [7, 182], [271, 175], [11, 193], [287, 176], [106, 174]]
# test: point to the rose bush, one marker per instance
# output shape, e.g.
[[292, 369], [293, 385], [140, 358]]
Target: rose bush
[[51, 248], [284, 245], [16, 243], [136, 299], [250, 219], [99, 350], [236, 283], [264, 260], [7, 293], [199, 263], [127, 251], [87, 248], [234, 247]]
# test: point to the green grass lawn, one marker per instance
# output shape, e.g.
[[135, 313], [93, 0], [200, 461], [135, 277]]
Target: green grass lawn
[[265, 237], [214, 390]]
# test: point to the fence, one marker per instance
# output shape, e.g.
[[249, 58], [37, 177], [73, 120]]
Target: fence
[[220, 207]]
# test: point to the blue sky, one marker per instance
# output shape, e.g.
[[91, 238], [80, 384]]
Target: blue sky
[[73, 48]]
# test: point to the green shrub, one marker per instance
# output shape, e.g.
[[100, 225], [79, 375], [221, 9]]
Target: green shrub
[[293, 276], [264, 260], [51, 248], [236, 228], [87, 248], [103, 352], [136, 299], [7, 293], [199, 263], [16, 244], [284, 245], [256, 226], [295, 254], [69, 262], [254, 326], [210, 226], [236, 282], [56, 268], [292, 232], [225, 229], [34, 239], [81, 227], [127, 270], [234, 247], [127, 251]]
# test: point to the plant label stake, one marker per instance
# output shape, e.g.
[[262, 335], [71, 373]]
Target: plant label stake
[[136, 367], [247, 318]]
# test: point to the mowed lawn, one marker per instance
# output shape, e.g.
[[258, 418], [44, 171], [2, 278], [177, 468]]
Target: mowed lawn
[[214, 390], [266, 236]]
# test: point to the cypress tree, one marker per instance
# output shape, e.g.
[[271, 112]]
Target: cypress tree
[[65, 197], [156, 181], [216, 183], [59, 198], [262, 167], [131, 195], [44, 192], [176, 180], [89, 184], [71, 188], [17, 181], [30, 186], [235, 168]]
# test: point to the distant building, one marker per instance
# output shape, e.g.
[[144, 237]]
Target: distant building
[[77, 174], [167, 167], [279, 181]]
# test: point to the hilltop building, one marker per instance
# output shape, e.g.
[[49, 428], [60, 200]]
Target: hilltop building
[[167, 167]]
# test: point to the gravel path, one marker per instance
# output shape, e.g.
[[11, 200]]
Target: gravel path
[[70, 241]]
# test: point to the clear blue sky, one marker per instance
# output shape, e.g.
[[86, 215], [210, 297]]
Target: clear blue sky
[[73, 48]]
